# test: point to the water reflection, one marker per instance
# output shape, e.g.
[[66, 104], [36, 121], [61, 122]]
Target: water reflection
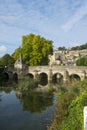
[[25, 111], [0, 98], [35, 101]]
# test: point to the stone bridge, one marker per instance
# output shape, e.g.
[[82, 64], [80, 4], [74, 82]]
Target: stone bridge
[[64, 72], [51, 72]]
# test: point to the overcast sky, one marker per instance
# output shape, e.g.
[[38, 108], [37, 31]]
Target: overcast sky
[[63, 21]]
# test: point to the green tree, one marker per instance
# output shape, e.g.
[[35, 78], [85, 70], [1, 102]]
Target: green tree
[[81, 47], [35, 49], [62, 48], [16, 53], [7, 60], [82, 61], [27, 47]]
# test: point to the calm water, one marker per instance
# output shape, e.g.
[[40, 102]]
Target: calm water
[[31, 111]]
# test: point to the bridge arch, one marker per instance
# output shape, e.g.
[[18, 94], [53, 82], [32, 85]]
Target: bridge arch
[[15, 77], [30, 75], [6, 76], [43, 78], [74, 77], [57, 78]]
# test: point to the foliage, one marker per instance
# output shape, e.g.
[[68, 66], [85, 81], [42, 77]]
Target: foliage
[[82, 61], [7, 60], [62, 110], [75, 118], [81, 47], [16, 53], [62, 48], [26, 84], [35, 49], [69, 111]]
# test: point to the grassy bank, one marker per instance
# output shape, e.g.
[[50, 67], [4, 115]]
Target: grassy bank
[[71, 100]]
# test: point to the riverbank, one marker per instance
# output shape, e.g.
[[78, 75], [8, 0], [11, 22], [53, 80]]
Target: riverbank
[[71, 99]]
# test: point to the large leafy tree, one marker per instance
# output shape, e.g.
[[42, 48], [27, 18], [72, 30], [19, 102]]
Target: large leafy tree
[[7, 60], [35, 49]]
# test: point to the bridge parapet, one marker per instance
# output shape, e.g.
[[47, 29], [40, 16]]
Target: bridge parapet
[[39, 69]]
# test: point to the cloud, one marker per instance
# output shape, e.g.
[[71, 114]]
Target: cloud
[[3, 49], [77, 16]]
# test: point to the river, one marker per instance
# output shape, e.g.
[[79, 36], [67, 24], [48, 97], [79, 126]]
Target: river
[[30, 111]]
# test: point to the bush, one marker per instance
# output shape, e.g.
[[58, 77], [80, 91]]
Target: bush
[[27, 84], [75, 118]]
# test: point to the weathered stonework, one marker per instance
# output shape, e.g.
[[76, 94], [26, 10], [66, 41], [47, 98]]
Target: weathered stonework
[[66, 57], [65, 71], [19, 63]]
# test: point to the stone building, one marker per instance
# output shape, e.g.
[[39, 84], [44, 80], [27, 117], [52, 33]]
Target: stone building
[[66, 57], [20, 65]]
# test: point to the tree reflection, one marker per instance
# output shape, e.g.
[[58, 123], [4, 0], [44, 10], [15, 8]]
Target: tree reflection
[[36, 101]]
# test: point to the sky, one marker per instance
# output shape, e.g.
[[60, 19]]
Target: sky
[[62, 21]]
